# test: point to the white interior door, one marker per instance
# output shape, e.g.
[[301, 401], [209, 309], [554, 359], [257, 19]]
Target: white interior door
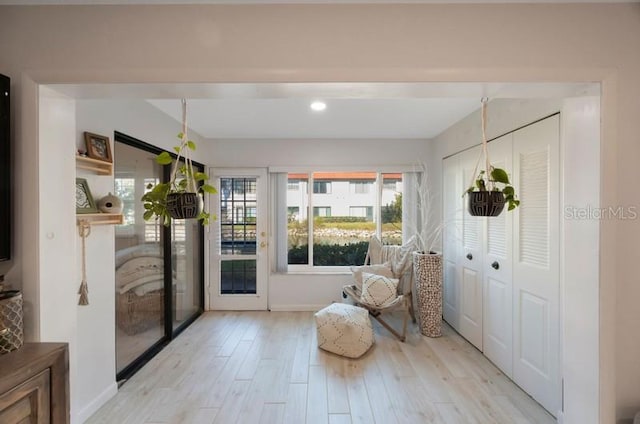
[[470, 260], [452, 216], [238, 243], [497, 272], [536, 262]]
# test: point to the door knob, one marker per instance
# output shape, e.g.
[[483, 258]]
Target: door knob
[[263, 244], [469, 256], [495, 265]]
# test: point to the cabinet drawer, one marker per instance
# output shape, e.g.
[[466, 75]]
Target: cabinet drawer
[[28, 403]]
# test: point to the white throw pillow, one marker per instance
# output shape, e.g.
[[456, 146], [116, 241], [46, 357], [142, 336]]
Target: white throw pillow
[[378, 290], [380, 269]]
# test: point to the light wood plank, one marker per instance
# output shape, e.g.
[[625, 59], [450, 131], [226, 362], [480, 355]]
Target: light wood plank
[[337, 397], [272, 413], [359, 401], [317, 408], [194, 416], [265, 367], [381, 406], [233, 402], [221, 385], [296, 407], [300, 367], [340, 419]]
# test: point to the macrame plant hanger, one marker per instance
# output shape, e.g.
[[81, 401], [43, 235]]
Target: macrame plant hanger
[[485, 151], [84, 229], [184, 153]]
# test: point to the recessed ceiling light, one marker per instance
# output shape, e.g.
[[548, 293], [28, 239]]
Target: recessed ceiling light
[[318, 106]]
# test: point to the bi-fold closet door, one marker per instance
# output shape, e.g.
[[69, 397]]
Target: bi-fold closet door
[[501, 274]]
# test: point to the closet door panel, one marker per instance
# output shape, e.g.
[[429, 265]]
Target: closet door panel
[[536, 262], [497, 272], [470, 259], [452, 213]]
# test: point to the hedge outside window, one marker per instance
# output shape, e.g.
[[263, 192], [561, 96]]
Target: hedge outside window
[[347, 209]]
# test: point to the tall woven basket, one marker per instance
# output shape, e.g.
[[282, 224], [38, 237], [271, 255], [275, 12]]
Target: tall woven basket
[[427, 269], [11, 329]]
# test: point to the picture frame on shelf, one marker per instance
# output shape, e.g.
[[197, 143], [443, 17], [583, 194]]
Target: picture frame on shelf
[[84, 199], [98, 146]]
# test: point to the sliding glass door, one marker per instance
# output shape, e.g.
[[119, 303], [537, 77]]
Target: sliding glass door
[[159, 270], [186, 270]]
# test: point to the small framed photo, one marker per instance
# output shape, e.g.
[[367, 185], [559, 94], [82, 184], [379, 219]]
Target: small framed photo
[[84, 200], [98, 147]]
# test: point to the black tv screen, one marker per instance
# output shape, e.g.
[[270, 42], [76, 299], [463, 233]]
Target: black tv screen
[[5, 171]]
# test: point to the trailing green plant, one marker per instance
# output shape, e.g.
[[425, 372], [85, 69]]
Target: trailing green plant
[[183, 180], [496, 176]]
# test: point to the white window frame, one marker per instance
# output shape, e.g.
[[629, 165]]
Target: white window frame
[[377, 186]]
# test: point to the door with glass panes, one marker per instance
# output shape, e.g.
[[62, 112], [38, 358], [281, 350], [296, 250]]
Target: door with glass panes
[[238, 242]]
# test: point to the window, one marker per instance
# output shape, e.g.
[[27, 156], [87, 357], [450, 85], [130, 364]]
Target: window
[[321, 211], [361, 212], [293, 185], [322, 187], [341, 226], [125, 189], [250, 214], [243, 186], [361, 187], [293, 212], [391, 211], [237, 215]]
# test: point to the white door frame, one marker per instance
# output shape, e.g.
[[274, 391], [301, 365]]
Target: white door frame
[[258, 301]]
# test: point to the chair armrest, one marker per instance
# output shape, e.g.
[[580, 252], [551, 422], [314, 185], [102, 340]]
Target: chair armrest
[[353, 292]]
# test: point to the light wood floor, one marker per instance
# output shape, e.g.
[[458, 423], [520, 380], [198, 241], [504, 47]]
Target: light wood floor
[[265, 367]]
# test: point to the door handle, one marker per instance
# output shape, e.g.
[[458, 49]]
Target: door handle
[[495, 265], [469, 256]]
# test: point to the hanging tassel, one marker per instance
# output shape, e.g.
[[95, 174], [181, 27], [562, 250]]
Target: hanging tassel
[[84, 293], [84, 229]]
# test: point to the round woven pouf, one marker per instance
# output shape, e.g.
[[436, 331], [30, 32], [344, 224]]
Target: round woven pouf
[[427, 269]]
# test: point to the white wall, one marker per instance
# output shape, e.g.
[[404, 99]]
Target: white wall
[[316, 153], [580, 143], [90, 330], [57, 292], [306, 292], [409, 42]]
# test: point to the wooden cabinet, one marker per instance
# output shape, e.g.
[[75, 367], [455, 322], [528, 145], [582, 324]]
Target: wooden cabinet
[[34, 384]]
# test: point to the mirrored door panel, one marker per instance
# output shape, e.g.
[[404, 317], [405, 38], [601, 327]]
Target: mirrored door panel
[[139, 283], [159, 269]]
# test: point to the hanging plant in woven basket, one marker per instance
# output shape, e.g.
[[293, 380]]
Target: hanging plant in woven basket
[[491, 189], [182, 197]]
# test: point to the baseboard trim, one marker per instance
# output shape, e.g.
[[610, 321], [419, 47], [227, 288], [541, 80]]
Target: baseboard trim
[[296, 308], [96, 403]]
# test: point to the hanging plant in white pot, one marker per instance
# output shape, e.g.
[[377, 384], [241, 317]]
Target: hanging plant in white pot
[[182, 197], [491, 189]]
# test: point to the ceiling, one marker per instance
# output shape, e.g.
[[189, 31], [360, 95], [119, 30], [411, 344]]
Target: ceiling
[[354, 110], [343, 118]]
